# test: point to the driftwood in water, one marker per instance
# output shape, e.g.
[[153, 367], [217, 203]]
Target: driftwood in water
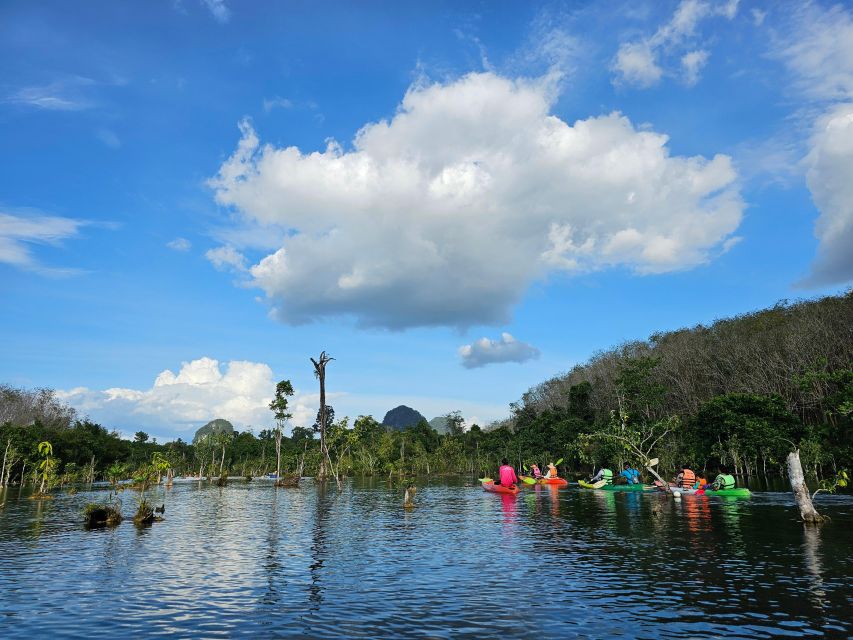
[[801, 492]]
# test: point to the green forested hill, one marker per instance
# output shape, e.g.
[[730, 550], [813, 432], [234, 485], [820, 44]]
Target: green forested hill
[[742, 388]]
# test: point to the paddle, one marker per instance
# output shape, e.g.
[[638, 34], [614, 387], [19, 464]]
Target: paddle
[[528, 480], [653, 463], [485, 480]]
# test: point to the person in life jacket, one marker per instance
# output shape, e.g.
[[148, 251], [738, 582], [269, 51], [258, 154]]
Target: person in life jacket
[[686, 479], [700, 483], [723, 480], [632, 476], [552, 471], [534, 469], [507, 477], [603, 474]]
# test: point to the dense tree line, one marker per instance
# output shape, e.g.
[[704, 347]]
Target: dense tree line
[[742, 392]]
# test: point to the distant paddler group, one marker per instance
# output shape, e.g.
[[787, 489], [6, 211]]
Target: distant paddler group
[[509, 482], [686, 482]]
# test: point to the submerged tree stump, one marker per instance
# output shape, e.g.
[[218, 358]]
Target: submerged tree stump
[[288, 481], [144, 514], [102, 515], [801, 492]]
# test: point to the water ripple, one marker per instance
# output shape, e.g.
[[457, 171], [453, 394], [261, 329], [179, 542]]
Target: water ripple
[[250, 560]]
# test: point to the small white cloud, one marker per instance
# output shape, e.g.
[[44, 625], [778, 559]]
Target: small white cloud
[[692, 63], [218, 9], [507, 349], [19, 232], [277, 103], [179, 244], [635, 65], [65, 94], [226, 258], [638, 63], [109, 138], [199, 392], [758, 17]]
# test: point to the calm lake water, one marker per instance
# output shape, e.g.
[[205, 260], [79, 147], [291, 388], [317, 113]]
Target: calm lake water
[[248, 560]]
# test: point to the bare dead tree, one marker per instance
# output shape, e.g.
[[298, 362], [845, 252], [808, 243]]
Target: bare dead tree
[[801, 492], [320, 374]]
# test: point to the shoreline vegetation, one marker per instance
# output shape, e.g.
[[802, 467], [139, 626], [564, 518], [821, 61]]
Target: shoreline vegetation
[[743, 392]]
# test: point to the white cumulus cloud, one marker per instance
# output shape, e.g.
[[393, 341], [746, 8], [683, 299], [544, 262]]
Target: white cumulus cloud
[[830, 179], [485, 351], [445, 214], [818, 49], [179, 403]]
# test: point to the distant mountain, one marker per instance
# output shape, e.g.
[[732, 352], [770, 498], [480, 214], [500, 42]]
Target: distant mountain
[[402, 417], [440, 424], [212, 428]]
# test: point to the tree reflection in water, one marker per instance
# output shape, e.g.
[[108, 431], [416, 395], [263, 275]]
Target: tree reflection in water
[[318, 546], [814, 567]]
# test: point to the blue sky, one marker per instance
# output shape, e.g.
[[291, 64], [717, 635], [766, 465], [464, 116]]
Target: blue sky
[[456, 200]]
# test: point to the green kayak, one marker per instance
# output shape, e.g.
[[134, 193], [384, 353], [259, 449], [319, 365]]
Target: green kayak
[[615, 487], [737, 492]]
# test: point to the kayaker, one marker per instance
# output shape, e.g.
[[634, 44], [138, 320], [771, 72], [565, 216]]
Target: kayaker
[[632, 476], [686, 479], [700, 482], [552, 471], [534, 469], [506, 475], [723, 480], [603, 474]]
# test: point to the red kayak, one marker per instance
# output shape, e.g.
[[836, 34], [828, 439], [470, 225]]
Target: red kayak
[[499, 488]]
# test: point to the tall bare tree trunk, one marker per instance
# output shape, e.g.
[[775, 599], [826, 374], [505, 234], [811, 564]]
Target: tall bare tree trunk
[[278, 453], [5, 453], [92, 470], [320, 372], [222, 460], [801, 492]]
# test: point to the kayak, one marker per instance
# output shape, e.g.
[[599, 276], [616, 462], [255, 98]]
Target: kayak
[[560, 482], [497, 488], [737, 492], [615, 487]]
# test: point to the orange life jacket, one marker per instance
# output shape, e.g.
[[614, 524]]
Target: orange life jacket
[[688, 479]]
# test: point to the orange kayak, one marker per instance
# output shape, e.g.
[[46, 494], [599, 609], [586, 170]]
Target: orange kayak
[[497, 488]]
